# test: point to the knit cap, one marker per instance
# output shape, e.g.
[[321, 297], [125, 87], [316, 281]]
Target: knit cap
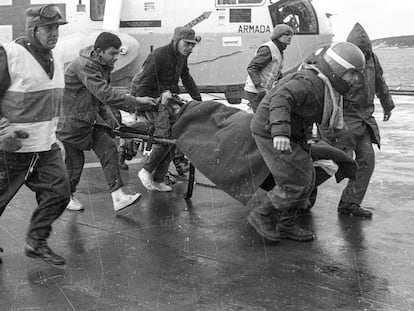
[[280, 30]]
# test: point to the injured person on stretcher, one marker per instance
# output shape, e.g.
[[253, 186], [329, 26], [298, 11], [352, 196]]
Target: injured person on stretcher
[[217, 140]]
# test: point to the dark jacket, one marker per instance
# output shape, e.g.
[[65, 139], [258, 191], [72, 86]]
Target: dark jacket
[[88, 99], [359, 109], [291, 107], [161, 71]]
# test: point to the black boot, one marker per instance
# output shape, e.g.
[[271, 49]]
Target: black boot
[[43, 251], [289, 228], [353, 209], [263, 218]]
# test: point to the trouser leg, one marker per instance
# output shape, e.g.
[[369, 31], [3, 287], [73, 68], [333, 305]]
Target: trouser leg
[[13, 168], [294, 176], [365, 157], [264, 217], [164, 163], [157, 154], [106, 150], [50, 183], [74, 162]]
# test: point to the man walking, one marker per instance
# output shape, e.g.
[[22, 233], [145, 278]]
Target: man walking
[[87, 121], [31, 88], [363, 129]]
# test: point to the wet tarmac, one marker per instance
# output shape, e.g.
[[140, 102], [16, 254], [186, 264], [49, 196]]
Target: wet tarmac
[[166, 253]]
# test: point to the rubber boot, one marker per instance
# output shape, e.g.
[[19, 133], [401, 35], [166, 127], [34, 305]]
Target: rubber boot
[[43, 251], [353, 209], [289, 228], [263, 218]]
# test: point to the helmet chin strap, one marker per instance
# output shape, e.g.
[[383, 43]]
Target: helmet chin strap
[[339, 84]]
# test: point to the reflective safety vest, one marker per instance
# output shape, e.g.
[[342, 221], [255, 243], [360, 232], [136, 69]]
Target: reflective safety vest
[[32, 101], [270, 73]]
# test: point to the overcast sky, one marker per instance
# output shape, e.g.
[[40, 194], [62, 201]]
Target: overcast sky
[[380, 18]]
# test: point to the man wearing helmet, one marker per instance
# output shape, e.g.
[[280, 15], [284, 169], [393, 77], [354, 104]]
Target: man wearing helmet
[[280, 128], [31, 88]]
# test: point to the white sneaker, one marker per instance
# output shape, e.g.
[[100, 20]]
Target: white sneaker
[[162, 187], [122, 200], [74, 204], [146, 180]]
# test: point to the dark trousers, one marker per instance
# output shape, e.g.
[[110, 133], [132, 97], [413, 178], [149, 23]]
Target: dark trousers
[[105, 148], [44, 174], [365, 157], [293, 173], [159, 161]]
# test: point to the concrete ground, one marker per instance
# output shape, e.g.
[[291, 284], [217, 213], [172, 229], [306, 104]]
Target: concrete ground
[[166, 253]]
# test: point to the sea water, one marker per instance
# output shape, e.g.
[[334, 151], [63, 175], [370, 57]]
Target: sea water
[[398, 66]]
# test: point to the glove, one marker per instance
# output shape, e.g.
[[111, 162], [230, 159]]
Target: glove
[[387, 115], [10, 141]]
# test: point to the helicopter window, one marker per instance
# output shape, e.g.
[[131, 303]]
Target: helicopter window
[[249, 1], [97, 10], [238, 2], [299, 14]]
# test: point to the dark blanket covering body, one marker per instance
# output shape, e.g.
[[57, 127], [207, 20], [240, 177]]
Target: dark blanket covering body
[[218, 142]]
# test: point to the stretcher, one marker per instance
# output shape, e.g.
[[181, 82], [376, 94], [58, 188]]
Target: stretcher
[[142, 133]]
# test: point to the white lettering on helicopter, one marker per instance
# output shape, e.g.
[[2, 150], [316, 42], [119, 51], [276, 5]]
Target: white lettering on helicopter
[[254, 29]]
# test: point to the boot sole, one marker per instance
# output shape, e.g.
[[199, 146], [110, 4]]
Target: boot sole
[[257, 227], [75, 209], [349, 213], [160, 190], [306, 238]]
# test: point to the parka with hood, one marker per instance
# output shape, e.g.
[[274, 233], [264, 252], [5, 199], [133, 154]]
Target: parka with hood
[[88, 99], [359, 109]]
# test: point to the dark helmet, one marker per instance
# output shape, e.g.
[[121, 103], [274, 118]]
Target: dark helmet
[[342, 56], [334, 61]]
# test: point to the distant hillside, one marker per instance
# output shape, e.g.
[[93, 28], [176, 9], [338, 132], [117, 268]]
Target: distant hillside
[[400, 42]]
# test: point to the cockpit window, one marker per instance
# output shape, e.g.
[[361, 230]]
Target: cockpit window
[[97, 10], [299, 14], [238, 2]]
